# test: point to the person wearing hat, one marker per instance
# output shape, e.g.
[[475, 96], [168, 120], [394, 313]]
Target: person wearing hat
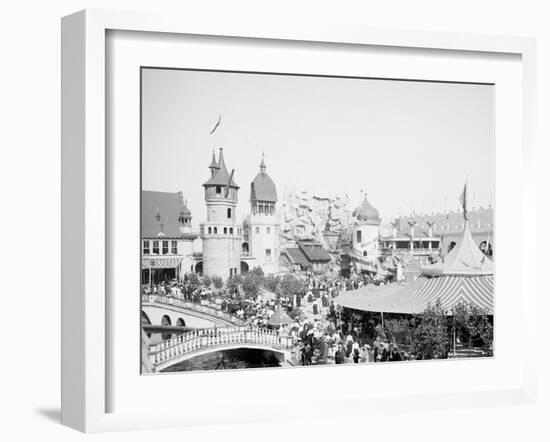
[[339, 356]]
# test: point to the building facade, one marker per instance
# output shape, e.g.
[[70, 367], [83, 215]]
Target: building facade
[[437, 233], [221, 234], [166, 237]]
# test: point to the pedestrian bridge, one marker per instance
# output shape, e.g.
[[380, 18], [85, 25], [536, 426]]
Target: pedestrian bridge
[[169, 311], [199, 342]]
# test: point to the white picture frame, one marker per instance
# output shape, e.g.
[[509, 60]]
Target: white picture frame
[[85, 201]]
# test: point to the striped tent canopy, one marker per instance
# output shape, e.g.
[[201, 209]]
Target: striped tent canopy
[[415, 297], [160, 263]]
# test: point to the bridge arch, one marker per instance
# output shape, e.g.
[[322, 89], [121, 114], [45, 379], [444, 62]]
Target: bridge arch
[[165, 320], [198, 268], [201, 342], [145, 319], [180, 322], [192, 317]]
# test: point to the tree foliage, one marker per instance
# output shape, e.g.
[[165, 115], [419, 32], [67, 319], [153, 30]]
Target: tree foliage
[[271, 282], [192, 280], [217, 281], [473, 323], [400, 331], [233, 283], [206, 281], [291, 285], [252, 283], [431, 336]]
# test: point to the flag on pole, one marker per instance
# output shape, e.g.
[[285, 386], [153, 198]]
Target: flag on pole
[[464, 202], [216, 125]]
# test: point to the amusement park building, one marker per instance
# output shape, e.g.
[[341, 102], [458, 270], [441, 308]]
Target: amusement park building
[[166, 236]]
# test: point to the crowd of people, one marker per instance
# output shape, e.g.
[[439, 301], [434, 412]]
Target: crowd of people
[[322, 332]]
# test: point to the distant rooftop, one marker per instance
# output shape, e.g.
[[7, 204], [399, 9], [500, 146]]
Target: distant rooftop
[[160, 214]]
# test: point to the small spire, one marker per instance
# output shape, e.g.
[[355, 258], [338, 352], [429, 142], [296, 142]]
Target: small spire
[[214, 163], [221, 162], [262, 164]]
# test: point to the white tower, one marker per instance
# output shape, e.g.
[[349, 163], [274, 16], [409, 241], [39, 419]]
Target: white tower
[[366, 231], [264, 226], [221, 234]]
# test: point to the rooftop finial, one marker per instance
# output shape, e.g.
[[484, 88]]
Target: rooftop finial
[[262, 164]]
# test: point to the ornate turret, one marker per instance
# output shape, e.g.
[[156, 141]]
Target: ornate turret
[[221, 184]]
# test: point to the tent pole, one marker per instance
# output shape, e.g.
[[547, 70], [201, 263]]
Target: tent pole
[[454, 339]]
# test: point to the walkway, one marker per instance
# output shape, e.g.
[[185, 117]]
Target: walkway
[[189, 306], [203, 341]]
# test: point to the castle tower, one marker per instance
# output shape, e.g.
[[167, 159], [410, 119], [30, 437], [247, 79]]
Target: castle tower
[[263, 229], [221, 234]]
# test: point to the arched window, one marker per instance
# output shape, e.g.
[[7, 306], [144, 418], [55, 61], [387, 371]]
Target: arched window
[[231, 230], [359, 236], [215, 230], [229, 213], [210, 230]]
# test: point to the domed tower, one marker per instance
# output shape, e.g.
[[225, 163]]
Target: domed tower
[[365, 232], [263, 227], [221, 234]]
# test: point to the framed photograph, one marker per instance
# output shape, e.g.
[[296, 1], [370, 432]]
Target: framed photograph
[[250, 212]]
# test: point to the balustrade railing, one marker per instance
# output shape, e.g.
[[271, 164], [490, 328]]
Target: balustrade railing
[[207, 338], [211, 311]]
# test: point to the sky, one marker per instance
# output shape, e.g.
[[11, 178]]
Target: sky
[[408, 145]]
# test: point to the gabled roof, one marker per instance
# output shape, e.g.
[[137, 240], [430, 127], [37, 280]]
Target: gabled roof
[[314, 252], [297, 257], [167, 207]]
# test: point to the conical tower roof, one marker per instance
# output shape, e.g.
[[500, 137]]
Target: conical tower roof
[[214, 163], [262, 187], [221, 176]]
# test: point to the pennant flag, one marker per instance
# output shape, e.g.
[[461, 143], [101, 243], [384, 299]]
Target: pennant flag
[[464, 202], [217, 124]]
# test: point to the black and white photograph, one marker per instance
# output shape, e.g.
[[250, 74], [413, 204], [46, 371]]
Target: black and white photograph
[[295, 220]]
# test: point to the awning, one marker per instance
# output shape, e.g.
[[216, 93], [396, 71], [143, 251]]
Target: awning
[[160, 263], [415, 297]]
